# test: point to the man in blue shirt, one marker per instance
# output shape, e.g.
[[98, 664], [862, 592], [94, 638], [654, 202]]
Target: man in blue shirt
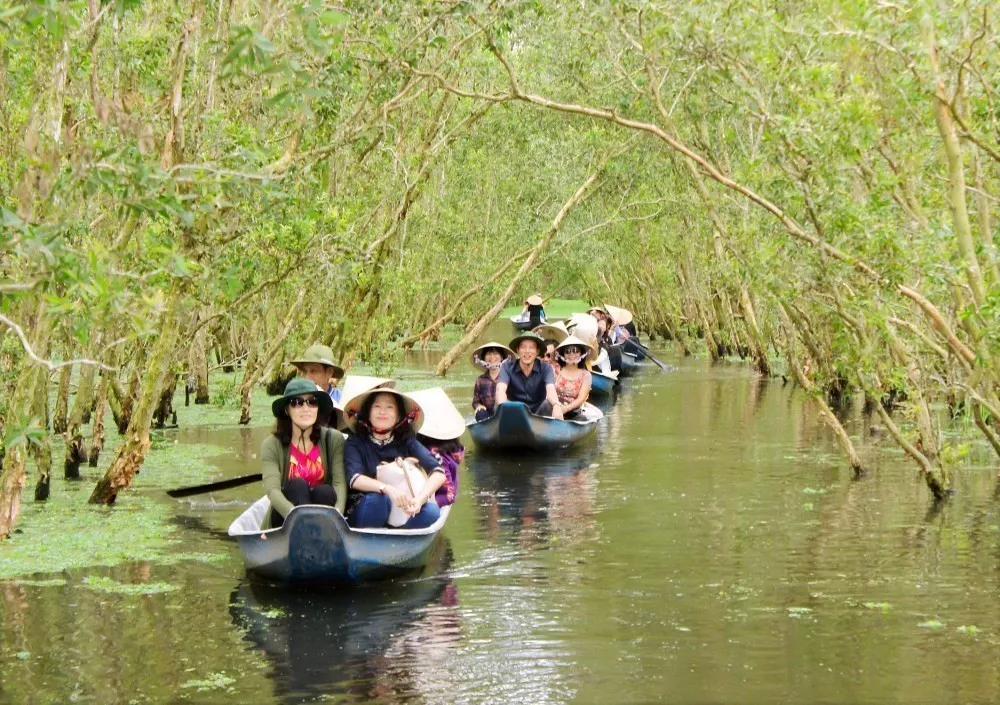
[[527, 379]]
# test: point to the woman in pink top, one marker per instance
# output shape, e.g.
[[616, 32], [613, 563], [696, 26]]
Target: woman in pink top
[[573, 380]]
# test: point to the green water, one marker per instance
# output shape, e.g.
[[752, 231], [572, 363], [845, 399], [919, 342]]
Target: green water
[[708, 546]]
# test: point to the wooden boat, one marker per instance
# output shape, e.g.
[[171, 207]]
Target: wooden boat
[[523, 322], [602, 384], [513, 426], [315, 544]]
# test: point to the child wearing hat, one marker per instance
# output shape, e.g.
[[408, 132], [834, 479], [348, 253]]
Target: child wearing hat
[[441, 433], [489, 357], [385, 423], [302, 462]]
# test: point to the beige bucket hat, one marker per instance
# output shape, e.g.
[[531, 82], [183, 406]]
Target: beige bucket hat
[[442, 421]]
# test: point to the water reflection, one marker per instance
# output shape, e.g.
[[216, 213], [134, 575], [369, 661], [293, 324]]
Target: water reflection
[[374, 642]]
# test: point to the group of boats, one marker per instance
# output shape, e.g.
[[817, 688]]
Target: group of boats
[[316, 545]]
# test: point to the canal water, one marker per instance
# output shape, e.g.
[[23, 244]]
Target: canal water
[[708, 546]]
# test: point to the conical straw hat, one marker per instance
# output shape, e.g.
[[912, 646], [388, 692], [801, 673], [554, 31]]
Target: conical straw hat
[[442, 421], [359, 384], [353, 407], [573, 340], [534, 300], [621, 316], [556, 331], [481, 350]]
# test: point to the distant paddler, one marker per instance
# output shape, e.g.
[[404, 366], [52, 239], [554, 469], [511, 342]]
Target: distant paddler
[[533, 311]]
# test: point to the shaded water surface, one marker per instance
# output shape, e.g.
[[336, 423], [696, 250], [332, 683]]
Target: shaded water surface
[[707, 546]]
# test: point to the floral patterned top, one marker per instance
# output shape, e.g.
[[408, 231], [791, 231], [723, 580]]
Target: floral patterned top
[[568, 389]]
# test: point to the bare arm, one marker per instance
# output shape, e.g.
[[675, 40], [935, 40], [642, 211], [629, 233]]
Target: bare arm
[[581, 398], [553, 398], [501, 393]]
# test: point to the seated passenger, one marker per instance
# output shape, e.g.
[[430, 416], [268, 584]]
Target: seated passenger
[[529, 380], [317, 365], [550, 353], [489, 356], [384, 423], [441, 434], [303, 461], [573, 380]]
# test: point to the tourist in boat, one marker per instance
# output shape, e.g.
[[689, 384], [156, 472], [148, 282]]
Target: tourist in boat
[[528, 379], [533, 311], [302, 462], [316, 364], [620, 318], [489, 356], [573, 380], [587, 328], [441, 434], [550, 353], [385, 423]]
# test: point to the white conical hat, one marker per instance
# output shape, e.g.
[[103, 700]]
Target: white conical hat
[[442, 421], [621, 316], [584, 327], [359, 384], [556, 331], [352, 407]]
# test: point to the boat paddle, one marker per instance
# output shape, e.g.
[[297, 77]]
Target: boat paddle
[[213, 486], [645, 351]]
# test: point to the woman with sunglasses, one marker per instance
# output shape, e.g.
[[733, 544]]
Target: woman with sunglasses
[[573, 380], [302, 461]]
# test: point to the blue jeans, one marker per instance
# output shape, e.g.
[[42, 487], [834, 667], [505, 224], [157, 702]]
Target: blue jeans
[[372, 512]]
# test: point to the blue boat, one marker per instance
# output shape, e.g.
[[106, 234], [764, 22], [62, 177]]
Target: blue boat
[[513, 426], [315, 545], [633, 346], [601, 384]]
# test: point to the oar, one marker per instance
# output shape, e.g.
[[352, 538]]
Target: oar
[[645, 351], [212, 486]]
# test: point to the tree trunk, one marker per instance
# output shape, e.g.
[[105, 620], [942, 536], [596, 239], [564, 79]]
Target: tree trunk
[[164, 414], [256, 363], [198, 367], [758, 350], [449, 359], [62, 401], [132, 452], [100, 409]]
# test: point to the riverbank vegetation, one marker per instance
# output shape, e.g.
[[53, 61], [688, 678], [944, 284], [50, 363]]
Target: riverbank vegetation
[[196, 185]]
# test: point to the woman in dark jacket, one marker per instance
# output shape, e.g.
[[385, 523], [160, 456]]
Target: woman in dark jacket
[[385, 422], [302, 461]]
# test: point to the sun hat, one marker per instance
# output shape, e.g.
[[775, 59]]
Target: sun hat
[[556, 331], [357, 384], [584, 327], [296, 388], [480, 353], [621, 316], [320, 354], [442, 421], [411, 409], [534, 300], [573, 341], [534, 337]]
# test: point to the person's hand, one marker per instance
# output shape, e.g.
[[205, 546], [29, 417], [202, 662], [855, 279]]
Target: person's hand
[[557, 411], [417, 503], [398, 498]]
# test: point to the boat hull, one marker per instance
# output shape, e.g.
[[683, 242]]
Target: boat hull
[[316, 545], [601, 384], [513, 426]]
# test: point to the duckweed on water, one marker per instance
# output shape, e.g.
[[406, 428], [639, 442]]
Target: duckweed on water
[[104, 584]]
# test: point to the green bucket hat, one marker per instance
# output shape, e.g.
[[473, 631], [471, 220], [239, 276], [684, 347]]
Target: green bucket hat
[[534, 337], [296, 388], [322, 355]]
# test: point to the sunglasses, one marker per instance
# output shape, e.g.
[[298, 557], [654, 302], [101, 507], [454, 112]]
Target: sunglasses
[[296, 402], [571, 351]]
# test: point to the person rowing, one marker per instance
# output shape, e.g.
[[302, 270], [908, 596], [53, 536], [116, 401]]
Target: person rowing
[[533, 311], [302, 462], [528, 379]]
